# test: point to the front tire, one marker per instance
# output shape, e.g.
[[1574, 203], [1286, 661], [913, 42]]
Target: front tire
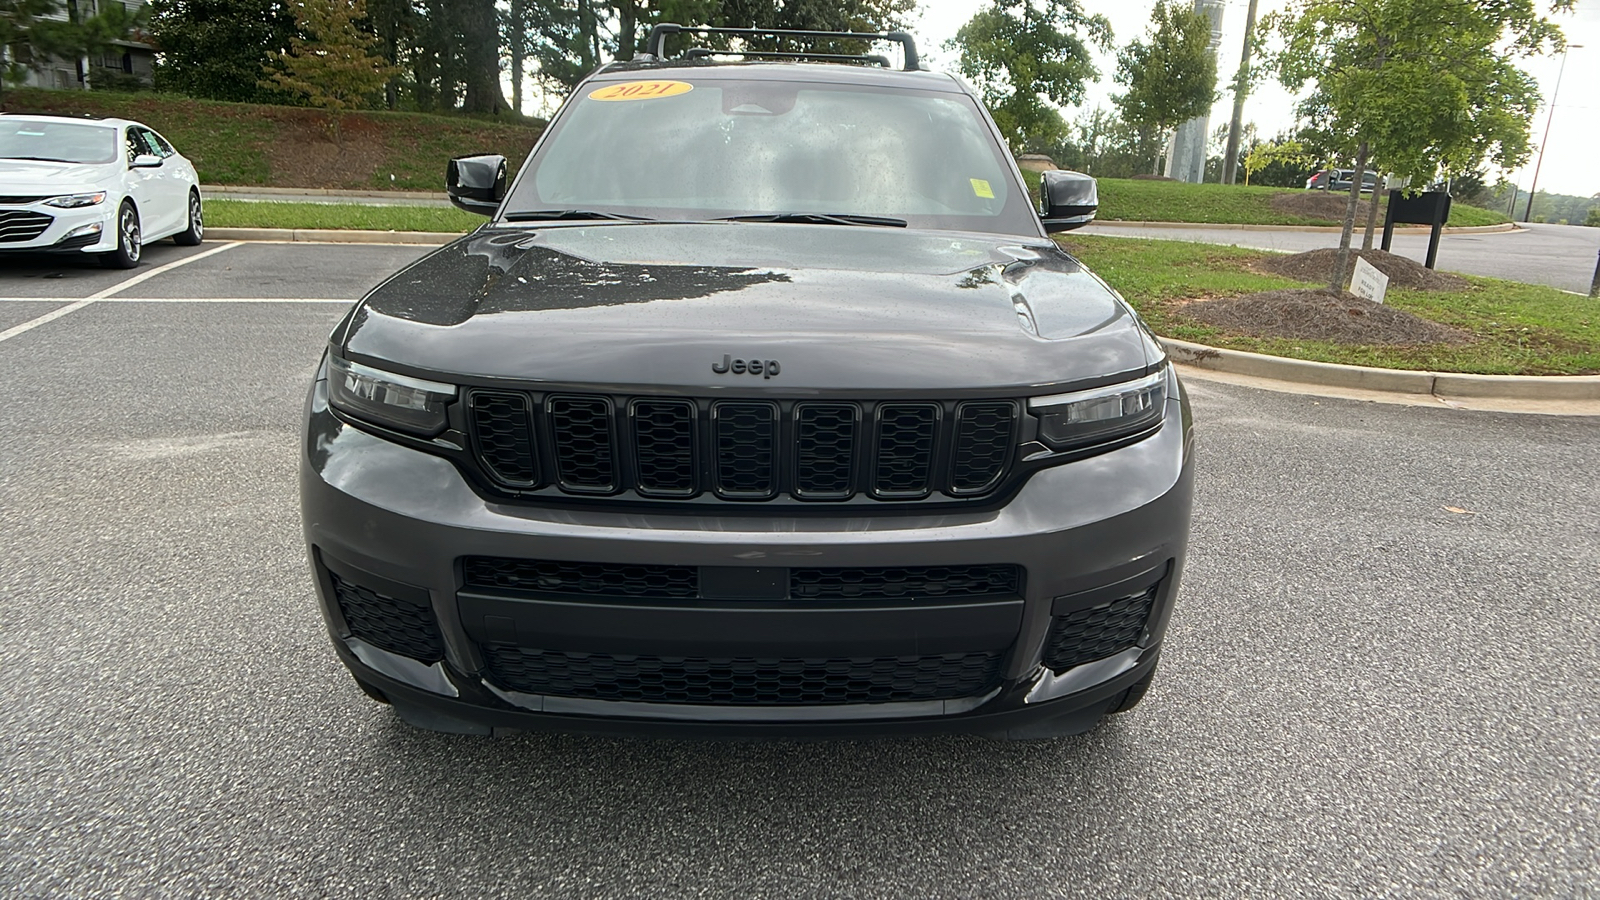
[[197, 224], [130, 240]]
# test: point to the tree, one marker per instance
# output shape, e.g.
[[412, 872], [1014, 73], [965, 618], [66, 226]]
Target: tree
[[1170, 79], [1025, 58], [334, 64], [1415, 86], [214, 49], [1283, 152]]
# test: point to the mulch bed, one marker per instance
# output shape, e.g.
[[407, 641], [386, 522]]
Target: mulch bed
[[1317, 265], [1321, 315], [1322, 205]]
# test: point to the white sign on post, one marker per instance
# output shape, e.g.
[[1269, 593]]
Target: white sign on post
[[1368, 282]]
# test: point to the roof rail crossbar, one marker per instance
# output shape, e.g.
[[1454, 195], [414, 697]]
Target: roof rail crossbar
[[876, 59], [656, 44]]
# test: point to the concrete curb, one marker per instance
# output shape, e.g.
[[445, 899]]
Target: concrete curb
[[318, 192], [331, 236], [1444, 385], [1321, 229]]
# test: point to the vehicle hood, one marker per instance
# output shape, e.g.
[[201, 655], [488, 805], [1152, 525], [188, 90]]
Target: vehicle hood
[[840, 308], [26, 176]]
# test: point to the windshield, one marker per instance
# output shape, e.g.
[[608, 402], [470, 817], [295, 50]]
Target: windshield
[[708, 149], [72, 142]]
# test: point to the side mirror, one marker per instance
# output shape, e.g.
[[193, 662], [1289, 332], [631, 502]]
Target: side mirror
[[146, 161], [476, 184], [1067, 200]]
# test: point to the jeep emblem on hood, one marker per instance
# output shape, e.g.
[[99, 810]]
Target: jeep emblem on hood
[[764, 368]]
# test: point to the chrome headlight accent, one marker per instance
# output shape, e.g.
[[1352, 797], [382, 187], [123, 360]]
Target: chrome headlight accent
[[1098, 415], [74, 201], [385, 398]]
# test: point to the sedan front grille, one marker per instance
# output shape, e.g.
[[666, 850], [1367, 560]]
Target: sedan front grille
[[740, 450], [22, 225]]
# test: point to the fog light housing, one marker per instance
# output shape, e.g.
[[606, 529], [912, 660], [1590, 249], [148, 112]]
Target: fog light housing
[[81, 230]]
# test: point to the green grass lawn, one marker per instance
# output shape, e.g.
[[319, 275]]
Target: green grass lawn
[[290, 146], [250, 214], [1138, 200], [1521, 329]]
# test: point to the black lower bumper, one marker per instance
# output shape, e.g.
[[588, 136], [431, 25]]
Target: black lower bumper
[[477, 711]]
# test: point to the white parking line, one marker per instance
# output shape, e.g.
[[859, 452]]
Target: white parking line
[[158, 270], [117, 288], [344, 300]]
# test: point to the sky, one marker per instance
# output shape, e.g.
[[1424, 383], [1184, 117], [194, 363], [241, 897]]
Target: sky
[[1570, 163]]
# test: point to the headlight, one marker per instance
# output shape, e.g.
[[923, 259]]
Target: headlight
[[1082, 418], [73, 201], [384, 398]]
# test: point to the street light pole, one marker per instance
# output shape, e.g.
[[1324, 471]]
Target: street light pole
[[1533, 189]]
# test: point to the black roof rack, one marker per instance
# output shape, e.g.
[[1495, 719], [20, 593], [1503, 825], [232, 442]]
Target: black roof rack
[[875, 59], [656, 44]]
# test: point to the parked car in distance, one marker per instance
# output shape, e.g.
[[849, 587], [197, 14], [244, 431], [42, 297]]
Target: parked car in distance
[[762, 404], [1341, 180], [104, 187]]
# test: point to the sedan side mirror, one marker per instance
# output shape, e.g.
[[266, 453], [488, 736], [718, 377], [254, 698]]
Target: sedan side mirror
[[476, 184], [1067, 200], [146, 161]]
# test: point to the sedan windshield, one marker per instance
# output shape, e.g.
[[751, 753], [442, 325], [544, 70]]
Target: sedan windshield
[[775, 151], [72, 142]]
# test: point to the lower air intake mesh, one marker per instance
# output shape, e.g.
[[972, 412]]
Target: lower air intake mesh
[[745, 681]]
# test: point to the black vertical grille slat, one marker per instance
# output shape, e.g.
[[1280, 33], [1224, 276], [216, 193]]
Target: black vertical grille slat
[[746, 444], [585, 443], [903, 461], [825, 441], [502, 428], [985, 433], [663, 447]]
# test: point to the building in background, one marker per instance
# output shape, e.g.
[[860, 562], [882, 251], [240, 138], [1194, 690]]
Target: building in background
[[125, 65]]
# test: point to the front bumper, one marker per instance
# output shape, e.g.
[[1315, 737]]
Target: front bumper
[[399, 522], [88, 229]]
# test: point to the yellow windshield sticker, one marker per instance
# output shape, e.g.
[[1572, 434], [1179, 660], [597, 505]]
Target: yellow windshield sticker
[[641, 90], [982, 189]]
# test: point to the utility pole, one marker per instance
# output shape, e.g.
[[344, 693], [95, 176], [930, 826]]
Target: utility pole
[[1533, 189], [1241, 86]]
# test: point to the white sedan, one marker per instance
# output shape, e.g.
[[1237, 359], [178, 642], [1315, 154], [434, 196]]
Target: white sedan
[[99, 186]]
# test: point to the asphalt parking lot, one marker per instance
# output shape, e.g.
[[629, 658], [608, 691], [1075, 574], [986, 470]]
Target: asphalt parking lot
[[1383, 679]]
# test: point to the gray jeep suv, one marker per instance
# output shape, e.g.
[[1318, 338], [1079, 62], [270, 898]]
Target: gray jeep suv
[[764, 404]]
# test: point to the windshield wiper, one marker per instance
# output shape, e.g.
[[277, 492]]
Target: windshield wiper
[[819, 219], [39, 158], [550, 215]]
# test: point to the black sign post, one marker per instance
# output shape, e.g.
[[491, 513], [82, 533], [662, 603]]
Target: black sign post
[[1426, 208]]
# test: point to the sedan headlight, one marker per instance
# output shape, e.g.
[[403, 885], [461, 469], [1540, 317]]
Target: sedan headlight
[[73, 201], [1083, 418], [384, 398]]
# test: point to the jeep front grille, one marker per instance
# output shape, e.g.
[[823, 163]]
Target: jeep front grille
[[668, 447]]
